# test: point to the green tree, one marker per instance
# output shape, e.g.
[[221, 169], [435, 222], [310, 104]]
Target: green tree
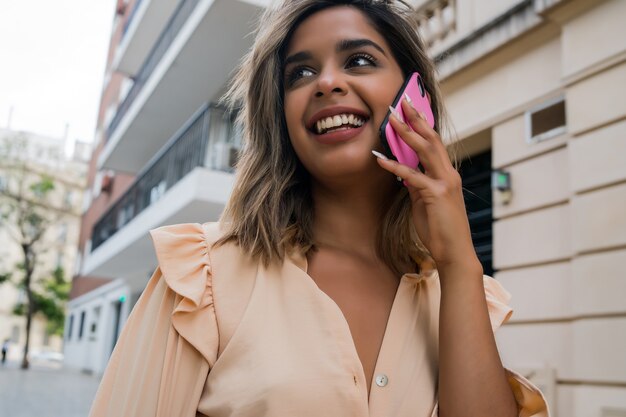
[[49, 299], [26, 214]]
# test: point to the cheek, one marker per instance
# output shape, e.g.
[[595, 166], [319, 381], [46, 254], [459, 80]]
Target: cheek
[[293, 118], [381, 95], [294, 111]]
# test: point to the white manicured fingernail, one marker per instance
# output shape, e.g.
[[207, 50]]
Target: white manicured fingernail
[[380, 155], [421, 115], [408, 99], [395, 113]]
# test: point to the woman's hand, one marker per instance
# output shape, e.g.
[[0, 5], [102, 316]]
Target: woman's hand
[[438, 209]]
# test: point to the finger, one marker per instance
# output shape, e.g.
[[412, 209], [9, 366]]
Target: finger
[[417, 121], [410, 176], [427, 153]]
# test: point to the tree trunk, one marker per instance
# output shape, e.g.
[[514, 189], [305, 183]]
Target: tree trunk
[[28, 272], [29, 317]]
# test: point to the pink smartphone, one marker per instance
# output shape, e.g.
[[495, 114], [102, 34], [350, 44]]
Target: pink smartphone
[[394, 146]]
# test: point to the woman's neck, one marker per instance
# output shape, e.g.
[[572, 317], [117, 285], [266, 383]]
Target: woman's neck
[[350, 216]]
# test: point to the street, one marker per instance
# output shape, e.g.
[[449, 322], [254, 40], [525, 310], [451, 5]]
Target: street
[[45, 391]]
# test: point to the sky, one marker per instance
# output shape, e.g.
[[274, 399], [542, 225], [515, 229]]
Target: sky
[[52, 63]]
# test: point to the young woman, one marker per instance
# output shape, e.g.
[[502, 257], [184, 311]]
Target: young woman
[[329, 288]]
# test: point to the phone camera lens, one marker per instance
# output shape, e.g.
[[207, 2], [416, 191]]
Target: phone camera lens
[[420, 85]]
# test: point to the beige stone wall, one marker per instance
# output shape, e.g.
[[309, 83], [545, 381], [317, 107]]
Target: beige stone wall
[[560, 244]]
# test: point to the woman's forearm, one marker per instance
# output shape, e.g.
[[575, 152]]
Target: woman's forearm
[[472, 381]]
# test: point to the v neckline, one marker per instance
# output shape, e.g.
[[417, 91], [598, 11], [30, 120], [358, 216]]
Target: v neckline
[[301, 262]]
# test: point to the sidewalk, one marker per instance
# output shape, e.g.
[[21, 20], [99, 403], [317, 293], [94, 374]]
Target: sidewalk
[[45, 391]]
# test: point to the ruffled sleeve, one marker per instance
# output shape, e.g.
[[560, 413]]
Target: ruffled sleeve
[[530, 401], [169, 343], [183, 255]]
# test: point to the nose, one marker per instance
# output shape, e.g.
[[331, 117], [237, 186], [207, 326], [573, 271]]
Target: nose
[[330, 82]]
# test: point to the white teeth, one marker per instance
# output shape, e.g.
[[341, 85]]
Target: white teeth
[[337, 121]]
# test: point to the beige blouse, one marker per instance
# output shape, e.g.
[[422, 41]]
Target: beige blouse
[[217, 334]]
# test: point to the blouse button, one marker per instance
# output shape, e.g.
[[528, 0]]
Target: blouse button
[[382, 380]]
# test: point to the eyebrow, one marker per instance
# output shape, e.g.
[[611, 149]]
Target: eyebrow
[[342, 46], [348, 44]]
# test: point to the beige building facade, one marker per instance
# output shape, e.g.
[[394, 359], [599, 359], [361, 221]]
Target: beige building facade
[[45, 155], [542, 86]]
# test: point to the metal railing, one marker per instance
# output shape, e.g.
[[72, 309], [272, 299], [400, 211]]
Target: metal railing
[[209, 139], [173, 26]]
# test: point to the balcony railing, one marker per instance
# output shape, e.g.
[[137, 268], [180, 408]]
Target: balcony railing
[[209, 139], [173, 26], [437, 21]]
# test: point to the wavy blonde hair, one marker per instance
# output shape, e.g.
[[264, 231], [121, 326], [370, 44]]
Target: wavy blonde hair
[[270, 211]]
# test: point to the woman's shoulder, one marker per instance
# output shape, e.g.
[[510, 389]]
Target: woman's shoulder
[[186, 247], [201, 272], [184, 233]]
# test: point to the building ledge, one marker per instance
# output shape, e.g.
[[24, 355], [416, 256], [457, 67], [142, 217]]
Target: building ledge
[[514, 22]]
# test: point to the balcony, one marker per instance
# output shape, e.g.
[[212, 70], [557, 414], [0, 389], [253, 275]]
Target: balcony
[[189, 180], [141, 30], [189, 64]]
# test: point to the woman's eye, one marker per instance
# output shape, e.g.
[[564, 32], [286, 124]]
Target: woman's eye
[[297, 73], [361, 60]]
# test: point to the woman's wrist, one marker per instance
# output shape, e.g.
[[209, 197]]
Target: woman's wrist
[[466, 269]]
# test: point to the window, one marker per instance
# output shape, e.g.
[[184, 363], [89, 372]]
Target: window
[[59, 261], [67, 200], [97, 184], [81, 325], [545, 121], [476, 175], [62, 237], [70, 326]]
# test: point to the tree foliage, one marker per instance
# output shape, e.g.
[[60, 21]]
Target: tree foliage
[[49, 299]]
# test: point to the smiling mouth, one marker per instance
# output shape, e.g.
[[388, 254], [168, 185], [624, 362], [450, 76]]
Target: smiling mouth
[[337, 123]]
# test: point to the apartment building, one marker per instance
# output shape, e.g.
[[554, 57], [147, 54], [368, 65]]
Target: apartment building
[[535, 90], [42, 155]]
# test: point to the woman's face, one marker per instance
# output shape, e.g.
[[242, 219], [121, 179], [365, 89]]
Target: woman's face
[[339, 79]]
